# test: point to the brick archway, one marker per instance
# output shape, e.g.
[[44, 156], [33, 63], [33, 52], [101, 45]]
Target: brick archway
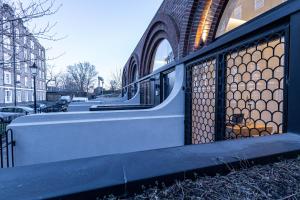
[[124, 77], [132, 66], [178, 22], [163, 27], [196, 17]]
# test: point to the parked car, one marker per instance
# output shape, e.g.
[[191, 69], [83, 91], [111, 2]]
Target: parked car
[[39, 106], [8, 117], [59, 106], [17, 109], [80, 99], [66, 98], [10, 113]]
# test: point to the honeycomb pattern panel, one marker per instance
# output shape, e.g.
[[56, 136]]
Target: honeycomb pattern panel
[[255, 89], [203, 102]]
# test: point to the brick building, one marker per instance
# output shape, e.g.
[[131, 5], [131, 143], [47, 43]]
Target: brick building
[[177, 21], [188, 25], [209, 71], [242, 82], [19, 46]]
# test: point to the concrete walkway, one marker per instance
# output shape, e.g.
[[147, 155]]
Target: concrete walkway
[[87, 178]]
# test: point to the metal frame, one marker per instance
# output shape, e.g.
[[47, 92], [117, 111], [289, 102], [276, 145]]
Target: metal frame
[[294, 71], [220, 107], [7, 144], [206, 67], [163, 95], [277, 18]]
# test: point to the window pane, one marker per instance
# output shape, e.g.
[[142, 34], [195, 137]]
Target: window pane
[[169, 82], [19, 96], [163, 55], [238, 12], [135, 76], [7, 77], [8, 98]]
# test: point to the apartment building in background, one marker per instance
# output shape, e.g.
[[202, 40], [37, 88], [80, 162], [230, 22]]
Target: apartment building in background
[[19, 49]]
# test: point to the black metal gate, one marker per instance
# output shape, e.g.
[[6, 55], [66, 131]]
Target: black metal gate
[[239, 91], [6, 148]]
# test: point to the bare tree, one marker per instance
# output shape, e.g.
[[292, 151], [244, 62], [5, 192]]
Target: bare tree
[[113, 85], [82, 75], [16, 24], [15, 12], [116, 82], [52, 77], [65, 82]]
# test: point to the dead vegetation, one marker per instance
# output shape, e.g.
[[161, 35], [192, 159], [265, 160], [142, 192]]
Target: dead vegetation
[[274, 181]]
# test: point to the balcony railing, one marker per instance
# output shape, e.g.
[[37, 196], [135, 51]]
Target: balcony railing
[[151, 89]]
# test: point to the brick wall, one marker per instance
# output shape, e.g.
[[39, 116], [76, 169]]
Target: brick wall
[[177, 21]]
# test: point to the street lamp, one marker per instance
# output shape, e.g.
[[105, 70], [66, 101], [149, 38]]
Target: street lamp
[[102, 81], [34, 70]]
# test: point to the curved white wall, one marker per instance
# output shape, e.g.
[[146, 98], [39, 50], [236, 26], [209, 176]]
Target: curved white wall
[[63, 136], [85, 106]]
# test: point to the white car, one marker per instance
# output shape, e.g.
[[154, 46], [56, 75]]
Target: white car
[[22, 110], [66, 98], [7, 114], [80, 99]]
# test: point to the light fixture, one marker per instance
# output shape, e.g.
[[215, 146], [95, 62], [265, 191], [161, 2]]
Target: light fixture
[[34, 70], [204, 26]]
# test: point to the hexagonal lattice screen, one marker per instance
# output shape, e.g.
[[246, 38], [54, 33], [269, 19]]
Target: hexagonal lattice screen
[[203, 102], [255, 89]]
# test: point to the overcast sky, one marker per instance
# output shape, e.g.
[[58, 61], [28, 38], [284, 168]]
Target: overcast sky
[[103, 32]]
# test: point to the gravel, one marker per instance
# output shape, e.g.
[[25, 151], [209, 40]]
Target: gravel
[[274, 181]]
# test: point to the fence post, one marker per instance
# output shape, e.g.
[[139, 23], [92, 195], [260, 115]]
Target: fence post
[[188, 106], [1, 149], [220, 98]]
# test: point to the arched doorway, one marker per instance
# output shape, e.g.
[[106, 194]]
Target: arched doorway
[[238, 12], [162, 83]]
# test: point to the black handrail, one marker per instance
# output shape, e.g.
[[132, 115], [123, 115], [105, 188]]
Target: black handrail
[[154, 73], [119, 107]]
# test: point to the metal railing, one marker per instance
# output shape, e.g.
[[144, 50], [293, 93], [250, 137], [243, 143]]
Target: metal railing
[[217, 87], [150, 86], [119, 107], [6, 147], [3, 126]]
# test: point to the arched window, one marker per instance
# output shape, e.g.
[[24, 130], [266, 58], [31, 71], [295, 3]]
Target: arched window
[[135, 74], [238, 12], [162, 55], [133, 78]]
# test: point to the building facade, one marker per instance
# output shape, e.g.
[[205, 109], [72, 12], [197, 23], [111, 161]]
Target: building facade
[[210, 71], [18, 51], [181, 27], [236, 77]]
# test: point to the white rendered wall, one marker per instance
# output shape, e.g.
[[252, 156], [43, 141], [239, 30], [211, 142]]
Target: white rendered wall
[[85, 106], [56, 137]]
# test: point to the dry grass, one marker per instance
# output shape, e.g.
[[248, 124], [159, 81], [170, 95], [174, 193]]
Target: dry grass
[[275, 181]]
